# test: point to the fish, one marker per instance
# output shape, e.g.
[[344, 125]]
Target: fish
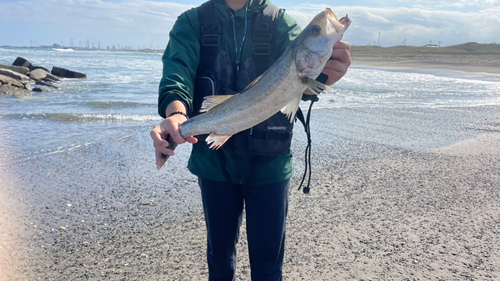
[[279, 88]]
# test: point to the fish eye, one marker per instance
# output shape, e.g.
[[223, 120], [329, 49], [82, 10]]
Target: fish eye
[[316, 30]]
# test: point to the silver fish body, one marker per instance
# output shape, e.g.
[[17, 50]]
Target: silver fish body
[[274, 90], [278, 88]]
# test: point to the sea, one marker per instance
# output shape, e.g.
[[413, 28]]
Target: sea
[[119, 98]]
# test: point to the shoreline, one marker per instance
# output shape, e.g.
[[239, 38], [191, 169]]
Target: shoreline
[[490, 68]]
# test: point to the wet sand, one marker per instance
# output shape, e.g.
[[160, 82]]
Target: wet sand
[[397, 194]]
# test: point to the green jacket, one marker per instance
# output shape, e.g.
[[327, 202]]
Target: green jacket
[[180, 62]]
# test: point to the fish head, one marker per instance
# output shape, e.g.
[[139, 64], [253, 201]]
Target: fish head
[[314, 45]]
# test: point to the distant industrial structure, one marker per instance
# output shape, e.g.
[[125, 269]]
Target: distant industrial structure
[[88, 45]]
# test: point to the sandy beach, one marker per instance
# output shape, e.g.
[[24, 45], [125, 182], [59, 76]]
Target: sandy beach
[[394, 196], [469, 57], [493, 68]]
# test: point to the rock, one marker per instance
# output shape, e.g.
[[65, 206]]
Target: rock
[[40, 89], [11, 86], [11, 81], [65, 73], [27, 86], [13, 74], [8, 89], [150, 202], [20, 69], [22, 62], [48, 84], [38, 74], [52, 78], [35, 67]]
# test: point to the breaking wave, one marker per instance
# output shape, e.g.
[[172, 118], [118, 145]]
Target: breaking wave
[[63, 49], [114, 104], [74, 117]]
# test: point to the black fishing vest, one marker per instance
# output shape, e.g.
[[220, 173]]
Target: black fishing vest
[[218, 75]]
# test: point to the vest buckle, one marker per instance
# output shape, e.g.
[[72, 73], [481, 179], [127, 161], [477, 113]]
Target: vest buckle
[[210, 28], [262, 49], [210, 40]]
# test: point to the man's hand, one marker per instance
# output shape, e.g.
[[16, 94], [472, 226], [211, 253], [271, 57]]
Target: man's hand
[[339, 62], [169, 126]]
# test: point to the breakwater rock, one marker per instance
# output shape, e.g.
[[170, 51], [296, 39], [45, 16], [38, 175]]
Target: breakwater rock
[[66, 73], [15, 79], [12, 86]]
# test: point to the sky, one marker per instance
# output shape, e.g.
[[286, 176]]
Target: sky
[[140, 24]]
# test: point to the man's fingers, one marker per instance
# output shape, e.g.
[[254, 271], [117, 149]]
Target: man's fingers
[[176, 136], [336, 66], [158, 157], [342, 45], [191, 139], [159, 134], [164, 150], [341, 55], [155, 134], [339, 63], [172, 130]]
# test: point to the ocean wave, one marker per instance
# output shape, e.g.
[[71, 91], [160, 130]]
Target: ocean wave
[[114, 104], [77, 117], [62, 50]]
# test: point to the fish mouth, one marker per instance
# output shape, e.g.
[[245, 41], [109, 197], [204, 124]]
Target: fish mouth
[[338, 25]]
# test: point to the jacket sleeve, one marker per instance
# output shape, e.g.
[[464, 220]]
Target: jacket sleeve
[[180, 61]]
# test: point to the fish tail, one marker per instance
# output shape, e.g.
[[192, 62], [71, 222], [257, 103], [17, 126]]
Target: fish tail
[[171, 145]]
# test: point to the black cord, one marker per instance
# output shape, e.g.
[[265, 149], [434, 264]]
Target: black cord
[[307, 157]]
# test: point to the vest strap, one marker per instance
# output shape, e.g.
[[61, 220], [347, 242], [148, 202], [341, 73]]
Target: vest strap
[[210, 30], [264, 29]]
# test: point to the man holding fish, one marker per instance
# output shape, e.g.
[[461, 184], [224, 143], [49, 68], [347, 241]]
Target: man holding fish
[[234, 72]]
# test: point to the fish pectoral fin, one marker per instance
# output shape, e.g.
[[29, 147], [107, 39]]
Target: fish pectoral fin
[[315, 86], [216, 141], [210, 102], [291, 108]]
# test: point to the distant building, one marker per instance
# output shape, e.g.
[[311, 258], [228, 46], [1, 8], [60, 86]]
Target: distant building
[[431, 46]]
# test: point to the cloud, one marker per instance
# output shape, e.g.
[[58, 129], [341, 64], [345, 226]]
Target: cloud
[[129, 23], [140, 23], [432, 4], [417, 25]]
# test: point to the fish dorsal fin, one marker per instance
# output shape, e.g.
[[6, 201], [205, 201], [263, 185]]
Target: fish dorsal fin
[[210, 102], [315, 86], [252, 83], [291, 108]]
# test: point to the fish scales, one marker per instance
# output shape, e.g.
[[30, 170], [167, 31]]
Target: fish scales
[[246, 110]]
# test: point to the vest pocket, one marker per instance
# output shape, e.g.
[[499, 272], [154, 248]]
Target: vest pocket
[[271, 137]]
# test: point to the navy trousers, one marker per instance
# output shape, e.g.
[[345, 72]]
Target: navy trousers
[[266, 208]]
